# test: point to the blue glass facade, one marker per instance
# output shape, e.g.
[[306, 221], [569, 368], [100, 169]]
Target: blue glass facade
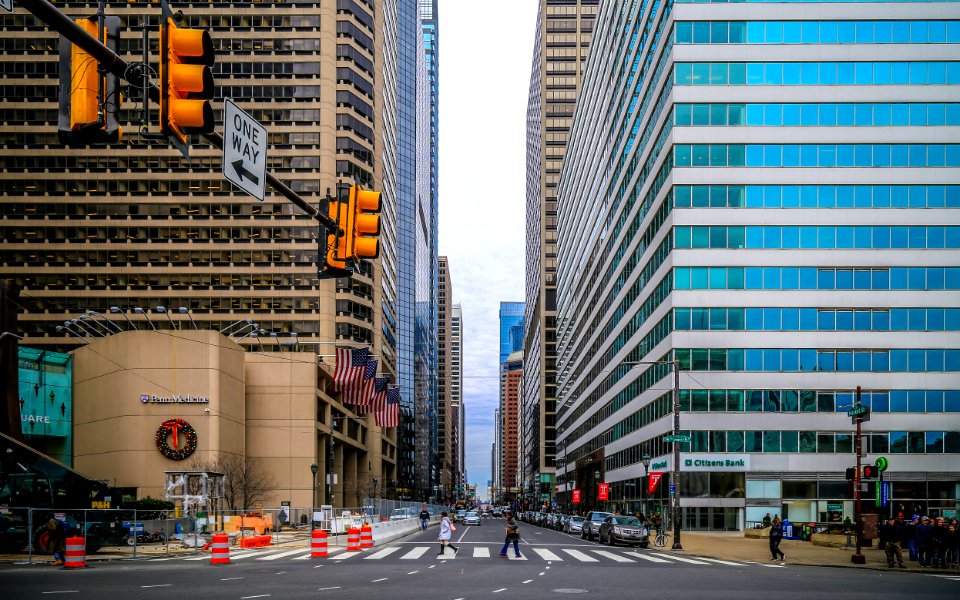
[[511, 328], [745, 187]]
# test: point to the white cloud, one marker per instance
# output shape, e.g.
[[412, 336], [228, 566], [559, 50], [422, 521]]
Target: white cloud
[[485, 51]]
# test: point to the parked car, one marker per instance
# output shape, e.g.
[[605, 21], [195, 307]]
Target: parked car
[[573, 525], [458, 516], [559, 521], [591, 524], [471, 518], [623, 529]]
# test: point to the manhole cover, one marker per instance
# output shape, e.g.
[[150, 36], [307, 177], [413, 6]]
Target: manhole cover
[[569, 591]]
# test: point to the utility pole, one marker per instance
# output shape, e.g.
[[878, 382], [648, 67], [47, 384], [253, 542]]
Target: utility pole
[[858, 558], [9, 294], [675, 478]]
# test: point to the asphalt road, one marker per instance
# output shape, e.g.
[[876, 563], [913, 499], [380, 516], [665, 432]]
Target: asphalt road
[[554, 565]]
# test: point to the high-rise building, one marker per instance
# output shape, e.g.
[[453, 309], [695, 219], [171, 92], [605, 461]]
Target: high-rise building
[[446, 412], [511, 386], [135, 226], [559, 55], [511, 328], [767, 193], [458, 408]]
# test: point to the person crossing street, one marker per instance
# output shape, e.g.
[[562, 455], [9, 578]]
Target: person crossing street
[[513, 535], [446, 531]]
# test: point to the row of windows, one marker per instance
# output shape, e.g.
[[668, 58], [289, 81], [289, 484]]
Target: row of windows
[[812, 359], [817, 32], [826, 401], [800, 1], [822, 442], [817, 196], [816, 155], [864, 114], [813, 236], [813, 278], [818, 73], [816, 319]]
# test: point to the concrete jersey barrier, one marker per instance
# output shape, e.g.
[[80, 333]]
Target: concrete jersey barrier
[[392, 530]]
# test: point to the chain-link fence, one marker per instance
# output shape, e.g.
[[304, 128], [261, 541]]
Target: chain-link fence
[[26, 533]]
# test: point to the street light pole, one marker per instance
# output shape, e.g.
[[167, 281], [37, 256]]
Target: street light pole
[[313, 495], [643, 494]]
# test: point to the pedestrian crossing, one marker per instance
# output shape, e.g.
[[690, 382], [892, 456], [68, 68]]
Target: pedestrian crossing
[[409, 552]]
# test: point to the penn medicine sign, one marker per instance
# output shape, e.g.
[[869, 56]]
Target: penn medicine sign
[[175, 399]]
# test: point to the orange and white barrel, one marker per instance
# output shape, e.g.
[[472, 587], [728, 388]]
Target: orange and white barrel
[[76, 555], [220, 549], [318, 544], [353, 540], [366, 536]]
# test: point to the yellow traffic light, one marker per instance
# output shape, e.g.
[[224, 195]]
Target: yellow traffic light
[[366, 223], [86, 117], [186, 83], [337, 251]]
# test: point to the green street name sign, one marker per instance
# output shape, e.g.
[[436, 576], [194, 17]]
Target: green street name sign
[[857, 410], [683, 439]]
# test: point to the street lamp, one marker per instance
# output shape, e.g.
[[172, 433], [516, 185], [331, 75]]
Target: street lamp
[[313, 495], [675, 475], [646, 471]]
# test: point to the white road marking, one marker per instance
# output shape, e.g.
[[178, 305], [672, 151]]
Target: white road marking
[[413, 572], [345, 555], [157, 585], [645, 556], [772, 566], [722, 562], [230, 578], [382, 553], [63, 592], [258, 596], [329, 552], [498, 591], [277, 555], [546, 554], [379, 580], [431, 566], [580, 555], [612, 556], [527, 581], [481, 552], [415, 553], [336, 587], [681, 559]]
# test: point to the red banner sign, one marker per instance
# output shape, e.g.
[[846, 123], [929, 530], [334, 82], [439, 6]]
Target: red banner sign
[[576, 497], [603, 491], [653, 481]]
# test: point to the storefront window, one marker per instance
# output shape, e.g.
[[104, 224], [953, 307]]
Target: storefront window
[[800, 489]]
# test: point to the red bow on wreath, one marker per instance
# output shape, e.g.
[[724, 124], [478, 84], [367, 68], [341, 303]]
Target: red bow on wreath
[[174, 427]]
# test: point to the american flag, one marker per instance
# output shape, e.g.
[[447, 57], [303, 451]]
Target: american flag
[[361, 393], [351, 364], [377, 398], [390, 415]]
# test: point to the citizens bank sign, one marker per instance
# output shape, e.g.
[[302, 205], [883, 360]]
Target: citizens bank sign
[[188, 399], [718, 463]]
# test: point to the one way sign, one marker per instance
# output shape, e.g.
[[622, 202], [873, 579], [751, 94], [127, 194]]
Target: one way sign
[[244, 150]]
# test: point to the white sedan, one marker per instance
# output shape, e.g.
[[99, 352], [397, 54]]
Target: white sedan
[[471, 518]]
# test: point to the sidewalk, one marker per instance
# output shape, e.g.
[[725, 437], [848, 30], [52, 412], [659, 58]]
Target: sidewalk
[[732, 545]]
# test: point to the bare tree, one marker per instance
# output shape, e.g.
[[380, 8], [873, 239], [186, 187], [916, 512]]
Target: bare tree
[[246, 481], [360, 490]]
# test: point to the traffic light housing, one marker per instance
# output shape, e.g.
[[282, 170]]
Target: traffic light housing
[[851, 473], [186, 83], [84, 117], [364, 242], [334, 241], [870, 472]]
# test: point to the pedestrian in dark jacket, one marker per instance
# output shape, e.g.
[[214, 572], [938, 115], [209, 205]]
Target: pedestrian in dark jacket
[[923, 541], [953, 545], [910, 537], [512, 536], [776, 536], [938, 543], [891, 535]]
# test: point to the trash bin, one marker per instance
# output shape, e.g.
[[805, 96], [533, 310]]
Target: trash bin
[[805, 534]]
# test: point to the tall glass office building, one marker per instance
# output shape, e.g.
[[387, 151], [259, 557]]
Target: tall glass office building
[[511, 328], [768, 192]]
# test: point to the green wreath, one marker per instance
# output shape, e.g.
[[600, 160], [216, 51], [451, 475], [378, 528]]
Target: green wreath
[[173, 427]]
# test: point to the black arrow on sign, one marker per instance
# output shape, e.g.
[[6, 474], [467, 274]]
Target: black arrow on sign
[[242, 172]]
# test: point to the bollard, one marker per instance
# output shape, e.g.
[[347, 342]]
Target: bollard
[[318, 544], [353, 540], [220, 549], [366, 536], [76, 555]]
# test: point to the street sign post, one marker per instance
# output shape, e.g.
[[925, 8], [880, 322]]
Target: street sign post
[[679, 438], [244, 150]]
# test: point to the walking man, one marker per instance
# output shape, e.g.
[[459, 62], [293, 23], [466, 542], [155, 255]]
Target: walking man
[[424, 517], [513, 535], [891, 535], [446, 530], [776, 536], [58, 535]]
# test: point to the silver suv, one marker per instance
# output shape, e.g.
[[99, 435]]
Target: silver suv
[[591, 524]]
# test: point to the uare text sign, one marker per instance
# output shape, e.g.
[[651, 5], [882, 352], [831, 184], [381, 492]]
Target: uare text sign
[[244, 150]]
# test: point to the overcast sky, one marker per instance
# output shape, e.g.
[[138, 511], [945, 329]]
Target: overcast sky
[[485, 52]]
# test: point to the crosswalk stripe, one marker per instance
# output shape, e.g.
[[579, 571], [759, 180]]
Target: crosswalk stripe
[[481, 552], [382, 553], [330, 551], [277, 555], [646, 556], [344, 556], [415, 553], [722, 562], [233, 555], [447, 555], [546, 554], [682, 559], [580, 555], [612, 556]]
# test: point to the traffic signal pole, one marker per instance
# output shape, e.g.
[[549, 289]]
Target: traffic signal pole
[[112, 63], [858, 558]]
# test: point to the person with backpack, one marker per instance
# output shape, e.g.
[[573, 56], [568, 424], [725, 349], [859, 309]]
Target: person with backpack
[[513, 535], [776, 536], [57, 539], [424, 517]]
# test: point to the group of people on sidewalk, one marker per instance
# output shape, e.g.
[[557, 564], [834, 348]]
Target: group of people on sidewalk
[[931, 542]]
